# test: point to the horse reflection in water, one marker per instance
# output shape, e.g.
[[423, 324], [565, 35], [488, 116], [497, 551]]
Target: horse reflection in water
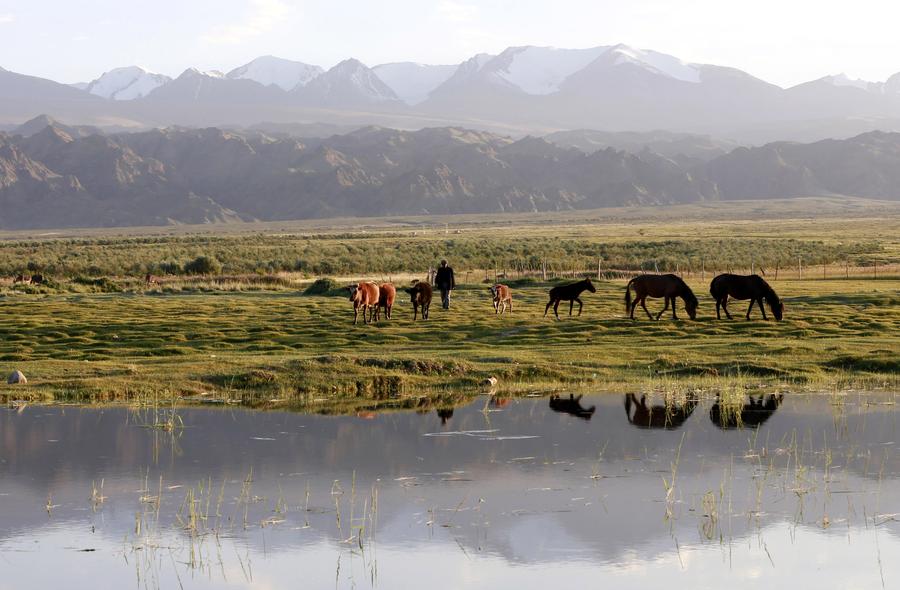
[[669, 415], [445, 414], [571, 405], [752, 414]]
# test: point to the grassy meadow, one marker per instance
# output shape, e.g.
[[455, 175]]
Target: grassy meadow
[[246, 332]]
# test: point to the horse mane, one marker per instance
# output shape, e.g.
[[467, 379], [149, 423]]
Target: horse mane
[[769, 293], [688, 290]]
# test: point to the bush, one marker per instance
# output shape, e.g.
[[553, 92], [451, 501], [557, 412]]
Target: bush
[[203, 265], [324, 286]]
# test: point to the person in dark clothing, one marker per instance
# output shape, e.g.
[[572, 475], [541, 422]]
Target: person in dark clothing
[[445, 282]]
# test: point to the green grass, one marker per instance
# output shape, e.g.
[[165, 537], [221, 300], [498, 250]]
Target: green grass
[[262, 346], [249, 335]]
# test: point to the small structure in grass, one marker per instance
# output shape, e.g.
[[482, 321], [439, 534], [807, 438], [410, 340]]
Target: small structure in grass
[[16, 377]]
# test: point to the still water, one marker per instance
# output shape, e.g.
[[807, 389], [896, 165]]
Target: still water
[[607, 491]]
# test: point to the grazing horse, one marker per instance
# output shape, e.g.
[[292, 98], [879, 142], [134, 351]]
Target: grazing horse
[[571, 406], [37, 279], [364, 296], [669, 415], [151, 280], [22, 279], [752, 414], [751, 287], [387, 292], [667, 286], [502, 298], [570, 293], [420, 296]]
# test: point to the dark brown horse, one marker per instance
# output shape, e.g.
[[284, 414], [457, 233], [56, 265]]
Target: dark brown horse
[[667, 286], [669, 415], [751, 287], [572, 406], [570, 293], [420, 295], [754, 413]]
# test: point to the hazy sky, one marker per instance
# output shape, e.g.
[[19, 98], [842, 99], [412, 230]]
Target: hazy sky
[[782, 41]]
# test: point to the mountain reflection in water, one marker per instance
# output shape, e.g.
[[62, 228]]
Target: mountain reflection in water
[[680, 492]]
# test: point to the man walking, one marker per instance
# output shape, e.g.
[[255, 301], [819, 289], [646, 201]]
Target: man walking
[[444, 281]]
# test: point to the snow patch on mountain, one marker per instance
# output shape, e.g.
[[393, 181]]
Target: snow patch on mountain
[[413, 82], [540, 70], [844, 80], [664, 64], [269, 70], [126, 83]]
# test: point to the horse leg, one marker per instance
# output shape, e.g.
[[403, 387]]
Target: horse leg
[[546, 309], [725, 307], [415, 311], [644, 305], [762, 309], [571, 305], [633, 307], [580, 305], [426, 309], [659, 315], [674, 316], [752, 301], [355, 315], [718, 307], [556, 308]]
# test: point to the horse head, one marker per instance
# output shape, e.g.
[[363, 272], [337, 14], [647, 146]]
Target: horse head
[[691, 304], [353, 290], [590, 285], [777, 307]]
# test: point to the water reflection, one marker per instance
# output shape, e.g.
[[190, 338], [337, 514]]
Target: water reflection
[[571, 405], [669, 414], [509, 492], [751, 414]]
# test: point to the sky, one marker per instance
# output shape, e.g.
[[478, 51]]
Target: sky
[[782, 41]]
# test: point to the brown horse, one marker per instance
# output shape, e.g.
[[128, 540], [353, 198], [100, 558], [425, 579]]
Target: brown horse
[[22, 279], [502, 298], [668, 416], [364, 296], [420, 295], [751, 287], [387, 292], [668, 286], [151, 280], [570, 293]]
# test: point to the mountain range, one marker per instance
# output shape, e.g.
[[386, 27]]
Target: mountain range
[[522, 90], [54, 175]]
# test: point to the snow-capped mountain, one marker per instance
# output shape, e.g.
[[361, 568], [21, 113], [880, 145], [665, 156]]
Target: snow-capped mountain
[[126, 83], [413, 82], [348, 84], [269, 70], [539, 70]]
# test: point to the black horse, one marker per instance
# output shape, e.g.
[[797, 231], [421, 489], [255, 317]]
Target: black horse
[[571, 406], [757, 410], [669, 415], [570, 293], [751, 287], [667, 286]]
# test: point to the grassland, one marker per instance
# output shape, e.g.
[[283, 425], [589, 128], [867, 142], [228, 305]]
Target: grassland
[[258, 340]]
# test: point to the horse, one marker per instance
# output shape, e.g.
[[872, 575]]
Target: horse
[[387, 292], [668, 286], [502, 298], [571, 406], [668, 416], [570, 293], [37, 279], [151, 280], [364, 295], [751, 287], [752, 414], [420, 295], [22, 279]]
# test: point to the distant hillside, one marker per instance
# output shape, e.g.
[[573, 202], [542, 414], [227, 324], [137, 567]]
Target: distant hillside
[[57, 177]]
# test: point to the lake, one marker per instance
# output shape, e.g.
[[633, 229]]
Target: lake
[[606, 491]]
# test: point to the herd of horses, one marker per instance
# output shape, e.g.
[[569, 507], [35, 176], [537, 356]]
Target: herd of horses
[[370, 298]]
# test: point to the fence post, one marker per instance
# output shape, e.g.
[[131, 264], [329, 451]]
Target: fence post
[[543, 270], [599, 262], [800, 267], [703, 269]]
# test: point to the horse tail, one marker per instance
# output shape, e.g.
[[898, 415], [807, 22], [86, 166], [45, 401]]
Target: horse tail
[[628, 296]]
